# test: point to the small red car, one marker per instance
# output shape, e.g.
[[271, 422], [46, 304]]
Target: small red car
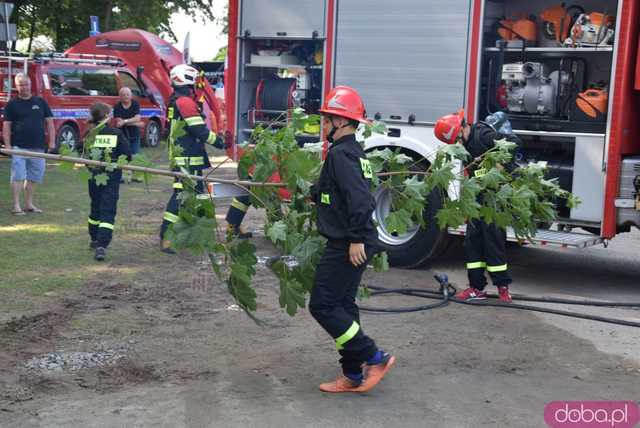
[[71, 83]]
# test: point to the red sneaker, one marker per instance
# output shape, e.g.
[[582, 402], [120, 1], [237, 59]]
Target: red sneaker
[[471, 294], [503, 294]]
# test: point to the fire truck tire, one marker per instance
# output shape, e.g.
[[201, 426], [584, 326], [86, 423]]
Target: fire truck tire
[[68, 136], [152, 134], [420, 245]]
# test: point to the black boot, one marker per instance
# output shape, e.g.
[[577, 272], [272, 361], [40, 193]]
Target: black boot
[[101, 253], [238, 232]]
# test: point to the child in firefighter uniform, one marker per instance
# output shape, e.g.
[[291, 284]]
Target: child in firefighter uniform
[[188, 136], [345, 205], [484, 243], [110, 143]]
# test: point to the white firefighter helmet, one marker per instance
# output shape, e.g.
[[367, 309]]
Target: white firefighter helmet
[[183, 75]]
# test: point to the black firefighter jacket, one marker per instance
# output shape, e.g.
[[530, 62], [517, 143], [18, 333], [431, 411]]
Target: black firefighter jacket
[[483, 138], [110, 141], [343, 195]]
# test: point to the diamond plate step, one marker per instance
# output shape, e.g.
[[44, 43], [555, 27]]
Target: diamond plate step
[[548, 237]]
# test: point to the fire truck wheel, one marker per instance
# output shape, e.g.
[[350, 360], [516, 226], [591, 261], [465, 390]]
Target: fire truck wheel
[[67, 136], [152, 134], [419, 245]]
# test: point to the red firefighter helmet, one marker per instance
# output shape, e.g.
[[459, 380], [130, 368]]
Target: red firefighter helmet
[[448, 127], [345, 102]]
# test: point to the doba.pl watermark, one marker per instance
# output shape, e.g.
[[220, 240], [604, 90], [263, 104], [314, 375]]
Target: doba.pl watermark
[[592, 414]]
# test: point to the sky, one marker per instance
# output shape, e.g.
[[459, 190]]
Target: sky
[[206, 39]]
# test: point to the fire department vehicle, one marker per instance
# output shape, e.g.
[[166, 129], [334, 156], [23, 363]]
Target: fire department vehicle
[[566, 75], [151, 58], [70, 83]]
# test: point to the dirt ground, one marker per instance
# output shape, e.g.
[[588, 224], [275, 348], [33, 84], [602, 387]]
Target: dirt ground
[[191, 359]]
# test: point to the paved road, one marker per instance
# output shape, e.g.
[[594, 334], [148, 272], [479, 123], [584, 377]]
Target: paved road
[[604, 273]]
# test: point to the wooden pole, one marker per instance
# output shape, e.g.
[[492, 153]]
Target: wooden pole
[[154, 171]]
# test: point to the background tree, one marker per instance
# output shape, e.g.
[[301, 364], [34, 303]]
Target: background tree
[[66, 22], [221, 55]]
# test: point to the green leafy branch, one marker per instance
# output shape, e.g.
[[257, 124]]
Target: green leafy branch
[[500, 193], [100, 174]]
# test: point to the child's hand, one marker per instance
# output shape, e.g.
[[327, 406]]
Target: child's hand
[[357, 255]]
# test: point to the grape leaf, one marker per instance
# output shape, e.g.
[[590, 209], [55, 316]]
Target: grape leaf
[[277, 232], [380, 262], [101, 179]]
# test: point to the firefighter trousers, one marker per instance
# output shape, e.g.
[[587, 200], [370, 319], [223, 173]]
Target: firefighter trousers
[[333, 305], [238, 210], [104, 203], [173, 206], [485, 249]]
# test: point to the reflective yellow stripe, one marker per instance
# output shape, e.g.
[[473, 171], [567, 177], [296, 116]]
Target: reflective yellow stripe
[[239, 205], [366, 168], [311, 129], [347, 335], [181, 161], [480, 172], [193, 161], [177, 186], [476, 265], [170, 113], [105, 141], [500, 268], [93, 222], [325, 199], [106, 226], [170, 217], [195, 120], [212, 138]]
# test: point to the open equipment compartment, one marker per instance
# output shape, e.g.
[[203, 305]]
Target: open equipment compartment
[[280, 65], [549, 66]]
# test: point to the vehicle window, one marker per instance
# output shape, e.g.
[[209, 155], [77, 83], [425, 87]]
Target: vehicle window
[[83, 82], [100, 82], [67, 81], [128, 80]]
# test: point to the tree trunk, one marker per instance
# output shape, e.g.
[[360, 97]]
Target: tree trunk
[[58, 41], [32, 29], [107, 15]]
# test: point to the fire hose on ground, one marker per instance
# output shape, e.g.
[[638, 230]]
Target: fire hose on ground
[[444, 297]]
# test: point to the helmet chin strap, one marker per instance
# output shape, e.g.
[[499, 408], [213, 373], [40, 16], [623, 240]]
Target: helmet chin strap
[[334, 129]]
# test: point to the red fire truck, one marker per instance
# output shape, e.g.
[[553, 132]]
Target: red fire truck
[[566, 76], [70, 83]]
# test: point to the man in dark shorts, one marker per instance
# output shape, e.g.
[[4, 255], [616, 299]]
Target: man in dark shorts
[[24, 122]]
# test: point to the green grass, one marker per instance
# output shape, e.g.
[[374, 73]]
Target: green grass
[[47, 254]]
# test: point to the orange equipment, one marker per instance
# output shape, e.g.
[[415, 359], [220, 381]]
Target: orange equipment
[[593, 102], [593, 29], [524, 28], [556, 23]]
